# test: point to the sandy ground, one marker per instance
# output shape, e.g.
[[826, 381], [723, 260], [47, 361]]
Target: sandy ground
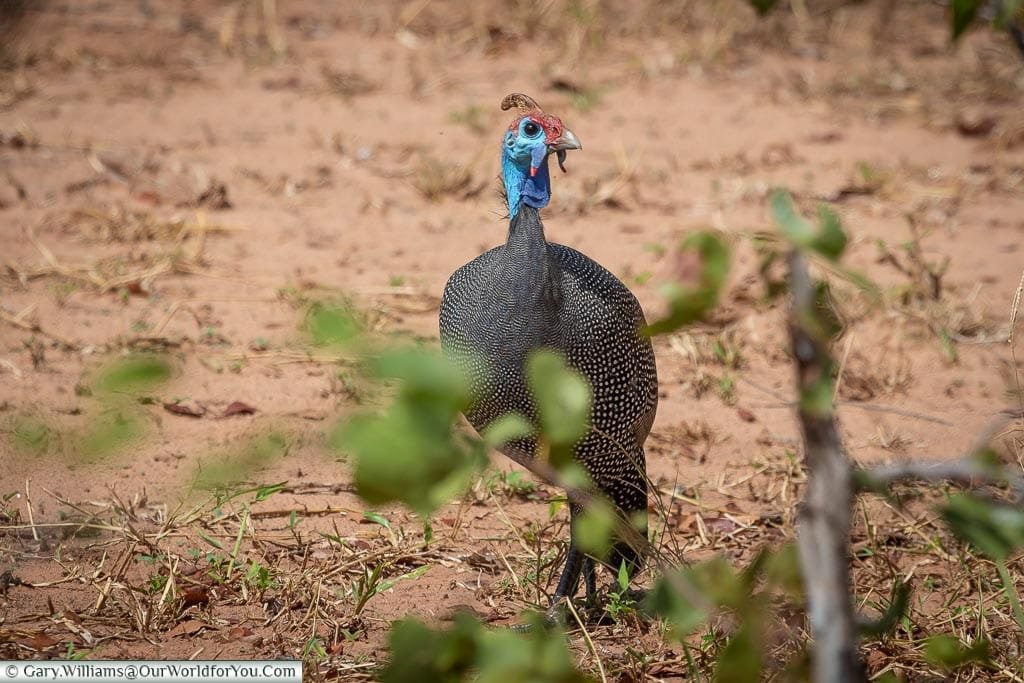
[[158, 191]]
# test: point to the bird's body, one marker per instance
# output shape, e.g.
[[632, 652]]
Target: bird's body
[[530, 294]]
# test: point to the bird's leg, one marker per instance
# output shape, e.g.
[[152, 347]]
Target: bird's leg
[[590, 579], [575, 561]]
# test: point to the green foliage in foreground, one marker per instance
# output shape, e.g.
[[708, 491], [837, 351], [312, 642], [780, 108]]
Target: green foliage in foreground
[[409, 453], [690, 301], [468, 650], [121, 391]]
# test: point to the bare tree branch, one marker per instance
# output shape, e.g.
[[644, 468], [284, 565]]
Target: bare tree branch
[[823, 524], [967, 471]]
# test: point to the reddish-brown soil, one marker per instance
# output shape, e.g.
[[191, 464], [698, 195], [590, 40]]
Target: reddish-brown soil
[[167, 184]]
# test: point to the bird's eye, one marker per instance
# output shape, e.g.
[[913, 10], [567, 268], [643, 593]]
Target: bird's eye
[[531, 128]]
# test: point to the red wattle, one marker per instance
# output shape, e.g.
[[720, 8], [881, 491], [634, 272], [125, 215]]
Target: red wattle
[[533, 171]]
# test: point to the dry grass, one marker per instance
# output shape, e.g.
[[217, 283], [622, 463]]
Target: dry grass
[[436, 179], [183, 239]]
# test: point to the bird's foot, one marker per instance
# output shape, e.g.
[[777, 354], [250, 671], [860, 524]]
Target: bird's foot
[[554, 616]]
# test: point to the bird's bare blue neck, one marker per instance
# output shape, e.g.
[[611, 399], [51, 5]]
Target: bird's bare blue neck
[[522, 189]]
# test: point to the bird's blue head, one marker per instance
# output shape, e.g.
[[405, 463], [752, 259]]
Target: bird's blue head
[[531, 137]]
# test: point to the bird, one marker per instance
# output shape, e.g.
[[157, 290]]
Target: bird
[[530, 294]]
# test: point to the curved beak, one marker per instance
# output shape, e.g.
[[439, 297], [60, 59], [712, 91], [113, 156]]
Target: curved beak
[[560, 145], [566, 141]]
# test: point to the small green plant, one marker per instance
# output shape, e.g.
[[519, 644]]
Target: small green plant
[[372, 582], [620, 604], [727, 389], [259, 577], [9, 514], [157, 583], [314, 650], [366, 586], [655, 249], [509, 483], [74, 654], [727, 351]]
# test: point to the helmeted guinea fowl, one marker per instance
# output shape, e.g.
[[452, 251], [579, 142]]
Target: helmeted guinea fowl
[[531, 294]]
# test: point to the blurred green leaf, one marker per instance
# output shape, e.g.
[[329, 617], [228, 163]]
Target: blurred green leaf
[[828, 239], [224, 470], [783, 570], [740, 660], [831, 240], [409, 452], [133, 375], [683, 615], [763, 6], [562, 396], [994, 529], [509, 427], [419, 653], [947, 651], [541, 656], [690, 302], [594, 527], [406, 456], [963, 14], [29, 435], [796, 229], [108, 433], [711, 584], [468, 651], [331, 324], [425, 377]]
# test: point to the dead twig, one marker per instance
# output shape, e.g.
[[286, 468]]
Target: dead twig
[[28, 508], [967, 471], [824, 521]]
